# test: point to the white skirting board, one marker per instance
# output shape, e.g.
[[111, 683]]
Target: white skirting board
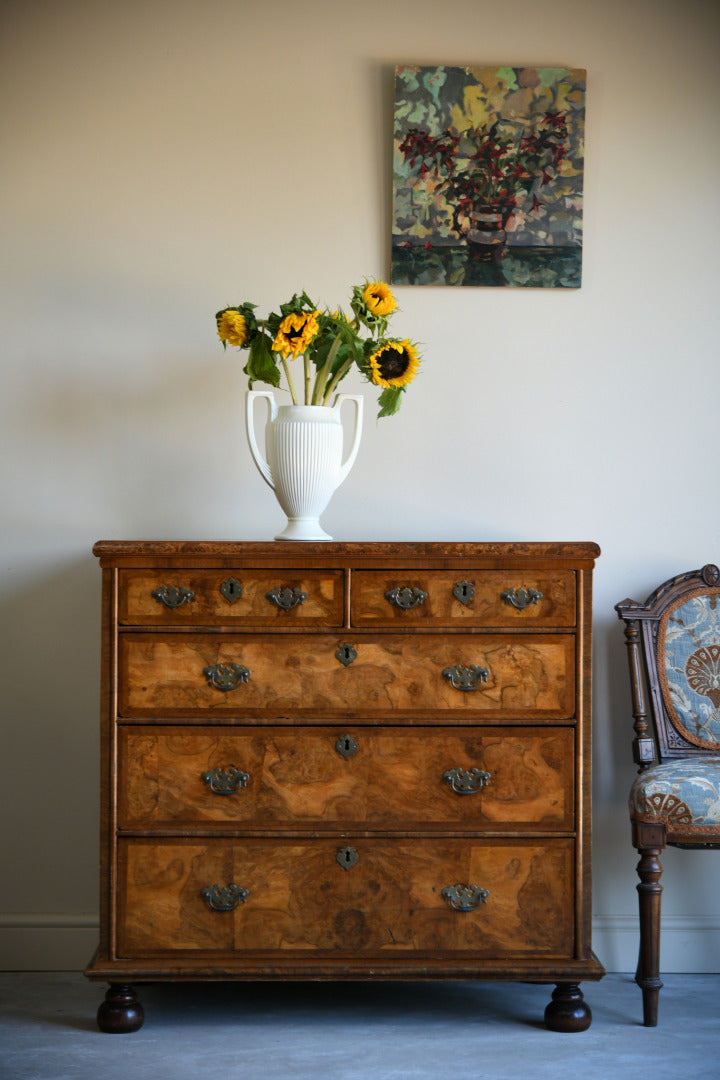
[[46, 942], [688, 943]]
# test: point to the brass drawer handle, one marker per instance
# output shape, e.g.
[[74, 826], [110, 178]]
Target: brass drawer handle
[[173, 596], [466, 678], [464, 591], [347, 857], [346, 746], [465, 897], [224, 897], [286, 598], [405, 597], [231, 589], [226, 676], [225, 781], [521, 598], [466, 781]]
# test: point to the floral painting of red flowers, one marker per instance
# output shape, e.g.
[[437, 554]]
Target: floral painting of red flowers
[[488, 176]]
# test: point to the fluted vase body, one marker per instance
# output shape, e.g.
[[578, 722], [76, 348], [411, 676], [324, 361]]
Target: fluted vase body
[[304, 458]]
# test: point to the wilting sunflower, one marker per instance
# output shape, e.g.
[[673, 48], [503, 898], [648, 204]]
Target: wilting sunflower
[[379, 299], [295, 333], [232, 327], [395, 363]]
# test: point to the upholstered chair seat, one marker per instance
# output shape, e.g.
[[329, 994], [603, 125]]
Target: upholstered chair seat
[[673, 642], [683, 795]]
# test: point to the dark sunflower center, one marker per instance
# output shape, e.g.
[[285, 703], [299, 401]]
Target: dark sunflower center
[[292, 334], [392, 363]]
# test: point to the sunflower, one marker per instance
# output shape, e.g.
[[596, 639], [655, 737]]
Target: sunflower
[[232, 327], [395, 363], [295, 333], [378, 299]]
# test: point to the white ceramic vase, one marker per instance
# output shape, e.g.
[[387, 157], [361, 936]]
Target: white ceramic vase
[[304, 466]]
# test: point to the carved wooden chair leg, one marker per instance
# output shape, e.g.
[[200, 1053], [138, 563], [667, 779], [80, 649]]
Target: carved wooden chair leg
[[120, 1012], [568, 1011], [649, 889]]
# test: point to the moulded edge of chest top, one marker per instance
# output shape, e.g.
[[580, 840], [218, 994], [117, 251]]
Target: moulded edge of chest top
[[430, 553]]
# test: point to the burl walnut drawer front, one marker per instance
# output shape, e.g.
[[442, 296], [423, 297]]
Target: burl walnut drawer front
[[174, 778], [315, 675], [494, 899], [471, 598], [249, 597]]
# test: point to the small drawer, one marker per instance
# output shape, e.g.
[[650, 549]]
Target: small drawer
[[450, 678], [344, 778], [223, 597], [501, 598], [494, 899]]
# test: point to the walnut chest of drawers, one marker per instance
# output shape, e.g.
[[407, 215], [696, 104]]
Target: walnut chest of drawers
[[345, 761]]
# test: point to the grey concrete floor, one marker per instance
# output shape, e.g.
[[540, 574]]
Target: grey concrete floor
[[355, 1031]]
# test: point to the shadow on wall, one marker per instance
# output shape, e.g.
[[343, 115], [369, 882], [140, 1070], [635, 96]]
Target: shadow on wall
[[152, 447], [49, 764]]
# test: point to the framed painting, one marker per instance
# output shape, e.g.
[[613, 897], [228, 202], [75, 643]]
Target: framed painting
[[488, 176]]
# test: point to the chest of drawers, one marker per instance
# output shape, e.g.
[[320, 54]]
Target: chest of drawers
[[345, 761]]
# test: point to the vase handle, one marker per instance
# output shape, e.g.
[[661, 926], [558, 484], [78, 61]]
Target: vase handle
[[262, 465], [357, 400]]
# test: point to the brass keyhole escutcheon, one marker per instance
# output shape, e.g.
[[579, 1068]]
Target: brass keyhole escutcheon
[[231, 589], [346, 653], [464, 591], [346, 746], [347, 857]]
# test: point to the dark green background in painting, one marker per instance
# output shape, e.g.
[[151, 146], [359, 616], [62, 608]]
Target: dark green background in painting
[[528, 267]]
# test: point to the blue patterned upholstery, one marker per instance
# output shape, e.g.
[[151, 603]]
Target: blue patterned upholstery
[[690, 641], [684, 793]]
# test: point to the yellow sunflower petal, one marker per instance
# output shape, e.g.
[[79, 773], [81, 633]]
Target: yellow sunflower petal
[[232, 328], [379, 298], [295, 333], [395, 363]]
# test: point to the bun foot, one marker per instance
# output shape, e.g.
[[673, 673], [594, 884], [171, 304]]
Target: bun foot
[[568, 1011], [120, 1012]]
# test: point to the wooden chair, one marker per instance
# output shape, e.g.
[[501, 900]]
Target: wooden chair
[[673, 643]]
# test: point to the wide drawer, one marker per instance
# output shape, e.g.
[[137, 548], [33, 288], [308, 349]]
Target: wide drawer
[[319, 675], [495, 598], [205, 597], [346, 896], [394, 779]]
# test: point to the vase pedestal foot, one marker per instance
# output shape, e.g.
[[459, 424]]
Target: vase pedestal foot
[[303, 528]]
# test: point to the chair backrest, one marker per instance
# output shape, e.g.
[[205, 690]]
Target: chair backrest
[[673, 644]]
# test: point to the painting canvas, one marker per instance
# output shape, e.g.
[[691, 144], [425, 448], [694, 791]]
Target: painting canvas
[[488, 176]]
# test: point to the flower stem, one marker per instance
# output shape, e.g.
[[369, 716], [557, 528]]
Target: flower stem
[[321, 377], [339, 374], [286, 369], [308, 391]]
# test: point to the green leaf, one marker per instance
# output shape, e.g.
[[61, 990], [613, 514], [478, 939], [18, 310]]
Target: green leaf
[[297, 305], [261, 365], [389, 401]]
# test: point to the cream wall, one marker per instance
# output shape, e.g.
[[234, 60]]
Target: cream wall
[[164, 158]]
